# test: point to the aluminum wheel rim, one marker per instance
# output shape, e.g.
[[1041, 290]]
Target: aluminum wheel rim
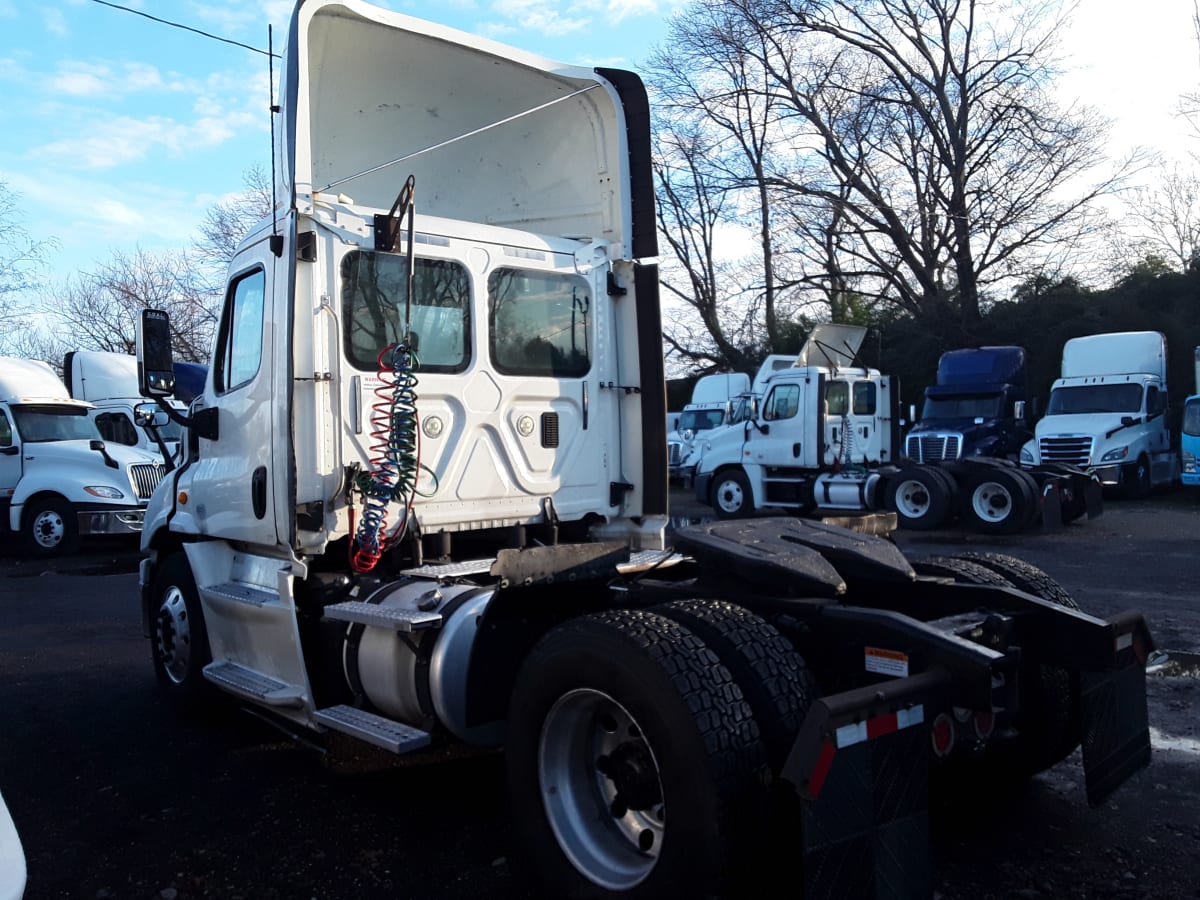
[[173, 635], [608, 842], [49, 529], [992, 502], [730, 496], [912, 499]]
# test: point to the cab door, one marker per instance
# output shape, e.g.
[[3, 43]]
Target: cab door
[[238, 466], [10, 460]]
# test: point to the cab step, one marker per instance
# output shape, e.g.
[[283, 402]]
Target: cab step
[[374, 729], [390, 617], [251, 685], [240, 592]]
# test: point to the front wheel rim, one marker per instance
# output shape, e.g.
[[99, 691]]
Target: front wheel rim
[[992, 502], [730, 497], [601, 789], [173, 635], [49, 529]]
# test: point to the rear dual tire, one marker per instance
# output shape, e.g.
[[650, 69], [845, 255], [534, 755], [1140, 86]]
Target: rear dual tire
[[636, 762]]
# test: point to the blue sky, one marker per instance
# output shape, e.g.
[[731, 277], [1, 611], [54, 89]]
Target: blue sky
[[119, 132]]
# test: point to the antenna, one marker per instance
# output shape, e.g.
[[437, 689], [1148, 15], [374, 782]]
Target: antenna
[[276, 239]]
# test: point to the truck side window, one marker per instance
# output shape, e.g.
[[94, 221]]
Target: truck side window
[[837, 398], [239, 342], [117, 428], [6, 438], [864, 398], [1156, 401], [783, 403], [539, 323], [374, 310]]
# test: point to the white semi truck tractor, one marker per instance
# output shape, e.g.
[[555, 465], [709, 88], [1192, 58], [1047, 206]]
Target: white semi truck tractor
[[427, 497]]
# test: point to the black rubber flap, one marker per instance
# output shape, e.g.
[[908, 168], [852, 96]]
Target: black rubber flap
[[1116, 727], [790, 544], [759, 552]]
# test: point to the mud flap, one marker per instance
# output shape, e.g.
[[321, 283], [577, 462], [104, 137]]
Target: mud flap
[[860, 766], [1116, 727]]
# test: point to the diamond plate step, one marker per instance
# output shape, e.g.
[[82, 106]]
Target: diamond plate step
[[452, 570], [391, 617], [242, 593], [366, 726], [253, 685]]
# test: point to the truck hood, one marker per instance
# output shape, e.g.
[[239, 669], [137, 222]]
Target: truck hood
[[1095, 424], [79, 453]]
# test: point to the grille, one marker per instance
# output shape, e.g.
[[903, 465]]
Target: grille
[[674, 453], [933, 447], [1075, 450], [145, 479]]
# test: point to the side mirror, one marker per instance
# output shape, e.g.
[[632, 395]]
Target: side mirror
[[1019, 410], [1128, 420], [156, 366], [147, 415], [912, 412]]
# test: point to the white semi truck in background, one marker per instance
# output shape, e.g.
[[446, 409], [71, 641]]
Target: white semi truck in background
[[710, 407], [426, 505], [1108, 413], [109, 382], [58, 478]]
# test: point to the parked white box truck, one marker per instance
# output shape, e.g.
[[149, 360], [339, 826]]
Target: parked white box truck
[[109, 382], [58, 479], [1107, 413]]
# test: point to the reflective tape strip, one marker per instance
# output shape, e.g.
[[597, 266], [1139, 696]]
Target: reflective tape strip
[[821, 769], [857, 732]]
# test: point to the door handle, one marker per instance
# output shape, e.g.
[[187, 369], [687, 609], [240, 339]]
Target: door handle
[[258, 491]]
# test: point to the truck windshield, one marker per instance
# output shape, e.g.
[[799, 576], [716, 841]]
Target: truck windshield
[[985, 406], [700, 419], [1191, 417], [39, 424], [1095, 398]]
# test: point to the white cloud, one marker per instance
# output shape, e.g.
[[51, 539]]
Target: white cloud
[[543, 16], [124, 139], [80, 79], [55, 21]]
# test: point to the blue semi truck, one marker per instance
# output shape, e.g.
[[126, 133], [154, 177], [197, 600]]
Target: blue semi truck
[[972, 427]]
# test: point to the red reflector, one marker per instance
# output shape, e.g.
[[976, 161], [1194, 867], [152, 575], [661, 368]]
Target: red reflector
[[985, 723], [821, 770], [881, 725], [942, 735]]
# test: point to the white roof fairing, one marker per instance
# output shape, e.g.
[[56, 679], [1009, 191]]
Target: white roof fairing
[[365, 86]]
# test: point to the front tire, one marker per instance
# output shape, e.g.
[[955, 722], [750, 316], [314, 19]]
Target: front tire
[[1135, 479], [731, 496], [632, 758], [178, 636], [51, 527]]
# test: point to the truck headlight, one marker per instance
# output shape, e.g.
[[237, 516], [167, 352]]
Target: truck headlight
[[103, 490], [1026, 456], [1114, 455]]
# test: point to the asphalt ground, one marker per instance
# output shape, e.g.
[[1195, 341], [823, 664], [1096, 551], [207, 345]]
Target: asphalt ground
[[115, 795]]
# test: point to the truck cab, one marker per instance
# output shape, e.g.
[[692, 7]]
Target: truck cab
[[58, 478], [1107, 414], [975, 409], [712, 402]]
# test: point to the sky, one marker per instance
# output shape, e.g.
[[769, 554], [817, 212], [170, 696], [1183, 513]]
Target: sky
[[118, 133]]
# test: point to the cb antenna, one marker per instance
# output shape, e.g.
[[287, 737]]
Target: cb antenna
[[276, 238]]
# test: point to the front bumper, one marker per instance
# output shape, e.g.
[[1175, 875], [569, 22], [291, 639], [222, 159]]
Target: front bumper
[[112, 521]]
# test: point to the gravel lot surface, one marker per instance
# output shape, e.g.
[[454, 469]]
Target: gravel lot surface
[[116, 796]]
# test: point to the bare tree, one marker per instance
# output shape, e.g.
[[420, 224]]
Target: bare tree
[[1166, 220], [226, 223], [21, 258], [923, 135], [99, 309]]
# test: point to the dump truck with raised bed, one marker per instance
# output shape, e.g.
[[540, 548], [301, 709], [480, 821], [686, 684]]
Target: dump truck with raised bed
[[426, 506]]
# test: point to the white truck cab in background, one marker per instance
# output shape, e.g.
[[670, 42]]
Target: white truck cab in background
[[712, 400], [58, 479], [109, 382], [1107, 412]]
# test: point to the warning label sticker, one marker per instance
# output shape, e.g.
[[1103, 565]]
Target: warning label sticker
[[886, 662]]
